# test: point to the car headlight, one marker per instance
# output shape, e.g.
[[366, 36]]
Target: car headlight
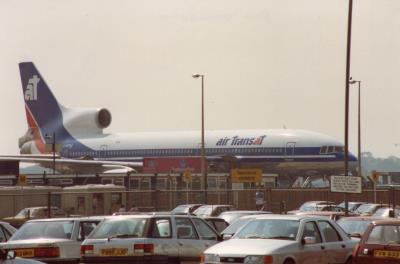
[[211, 258], [258, 260]]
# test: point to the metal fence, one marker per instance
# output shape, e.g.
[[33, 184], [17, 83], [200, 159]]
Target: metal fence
[[107, 202]]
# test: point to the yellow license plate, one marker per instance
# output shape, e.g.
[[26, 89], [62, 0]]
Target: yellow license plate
[[386, 254], [25, 253], [114, 252]]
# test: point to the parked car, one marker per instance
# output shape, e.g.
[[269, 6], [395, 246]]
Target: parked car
[[369, 209], [52, 240], [231, 216], [355, 226], [217, 223], [284, 239], [380, 243], [185, 208], [38, 212], [212, 209], [8, 257], [6, 231], [149, 238]]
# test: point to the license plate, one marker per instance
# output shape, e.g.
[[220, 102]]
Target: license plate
[[24, 253], [386, 254], [114, 252]]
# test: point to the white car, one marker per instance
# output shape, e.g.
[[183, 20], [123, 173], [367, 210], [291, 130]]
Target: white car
[[287, 239], [52, 240], [151, 238]]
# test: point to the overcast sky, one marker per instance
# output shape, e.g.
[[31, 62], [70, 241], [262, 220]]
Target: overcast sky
[[267, 64]]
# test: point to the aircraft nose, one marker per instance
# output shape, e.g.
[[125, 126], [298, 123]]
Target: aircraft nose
[[352, 157]]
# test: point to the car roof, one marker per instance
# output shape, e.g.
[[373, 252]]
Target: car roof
[[243, 212], [386, 222], [68, 219], [362, 218], [290, 217]]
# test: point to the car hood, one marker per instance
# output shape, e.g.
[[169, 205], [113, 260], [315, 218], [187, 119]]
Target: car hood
[[36, 241], [244, 247]]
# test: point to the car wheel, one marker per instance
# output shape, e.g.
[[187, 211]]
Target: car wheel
[[290, 261]]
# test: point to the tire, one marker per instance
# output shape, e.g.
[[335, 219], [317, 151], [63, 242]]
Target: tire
[[290, 261]]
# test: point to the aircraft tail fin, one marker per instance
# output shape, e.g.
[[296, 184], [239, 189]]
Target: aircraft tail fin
[[43, 112]]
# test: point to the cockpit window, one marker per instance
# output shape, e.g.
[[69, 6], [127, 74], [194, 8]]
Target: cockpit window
[[330, 149], [339, 149], [323, 149]]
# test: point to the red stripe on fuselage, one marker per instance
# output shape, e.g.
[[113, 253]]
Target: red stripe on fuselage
[[35, 130]]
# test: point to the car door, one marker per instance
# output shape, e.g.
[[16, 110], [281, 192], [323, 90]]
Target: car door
[[189, 245], [336, 248], [84, 228], [160, 232], [311, 253], [208, 236]]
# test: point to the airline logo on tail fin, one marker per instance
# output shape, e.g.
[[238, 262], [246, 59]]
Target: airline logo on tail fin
[[31, 89]]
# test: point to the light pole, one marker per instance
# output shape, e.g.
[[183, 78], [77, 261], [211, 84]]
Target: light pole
[[346, 118], [53, 149], [359, 124], [203, 161]]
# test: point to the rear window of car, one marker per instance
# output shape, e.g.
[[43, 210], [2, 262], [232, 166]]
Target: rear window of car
[[44, 229], [384, 234], [353, 226], [127, 227]]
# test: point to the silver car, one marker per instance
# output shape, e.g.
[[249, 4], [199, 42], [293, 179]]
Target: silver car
[[160, 238], [287, 239], [52, 240]]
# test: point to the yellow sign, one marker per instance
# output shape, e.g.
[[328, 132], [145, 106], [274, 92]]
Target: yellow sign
[[246, 175], [374, 175], [22, 179], [187, 176]]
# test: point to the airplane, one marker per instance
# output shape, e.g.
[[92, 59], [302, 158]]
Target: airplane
[[76, 134]]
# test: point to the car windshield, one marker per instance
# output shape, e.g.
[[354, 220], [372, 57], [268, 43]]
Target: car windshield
[[269, 229], [44, 229], [22, 213], [203, 210], [384, 234], [366, 208], [181, 209], [230, 217], [127, 227], [352, 226], [352, 205], [233, 228]]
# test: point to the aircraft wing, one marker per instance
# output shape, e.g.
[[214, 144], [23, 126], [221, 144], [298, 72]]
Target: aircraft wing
[[84, 166]]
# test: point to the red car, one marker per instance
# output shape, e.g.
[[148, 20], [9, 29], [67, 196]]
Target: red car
[[379, 244]]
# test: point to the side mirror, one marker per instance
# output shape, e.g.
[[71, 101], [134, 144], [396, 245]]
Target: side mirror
[[227, 236], [309, 240]]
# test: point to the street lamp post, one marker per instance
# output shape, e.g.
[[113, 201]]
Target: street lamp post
[[359, 124], [346, 122], [203, 161]]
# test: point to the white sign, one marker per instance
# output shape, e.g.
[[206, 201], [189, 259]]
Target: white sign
[[346, 184]]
